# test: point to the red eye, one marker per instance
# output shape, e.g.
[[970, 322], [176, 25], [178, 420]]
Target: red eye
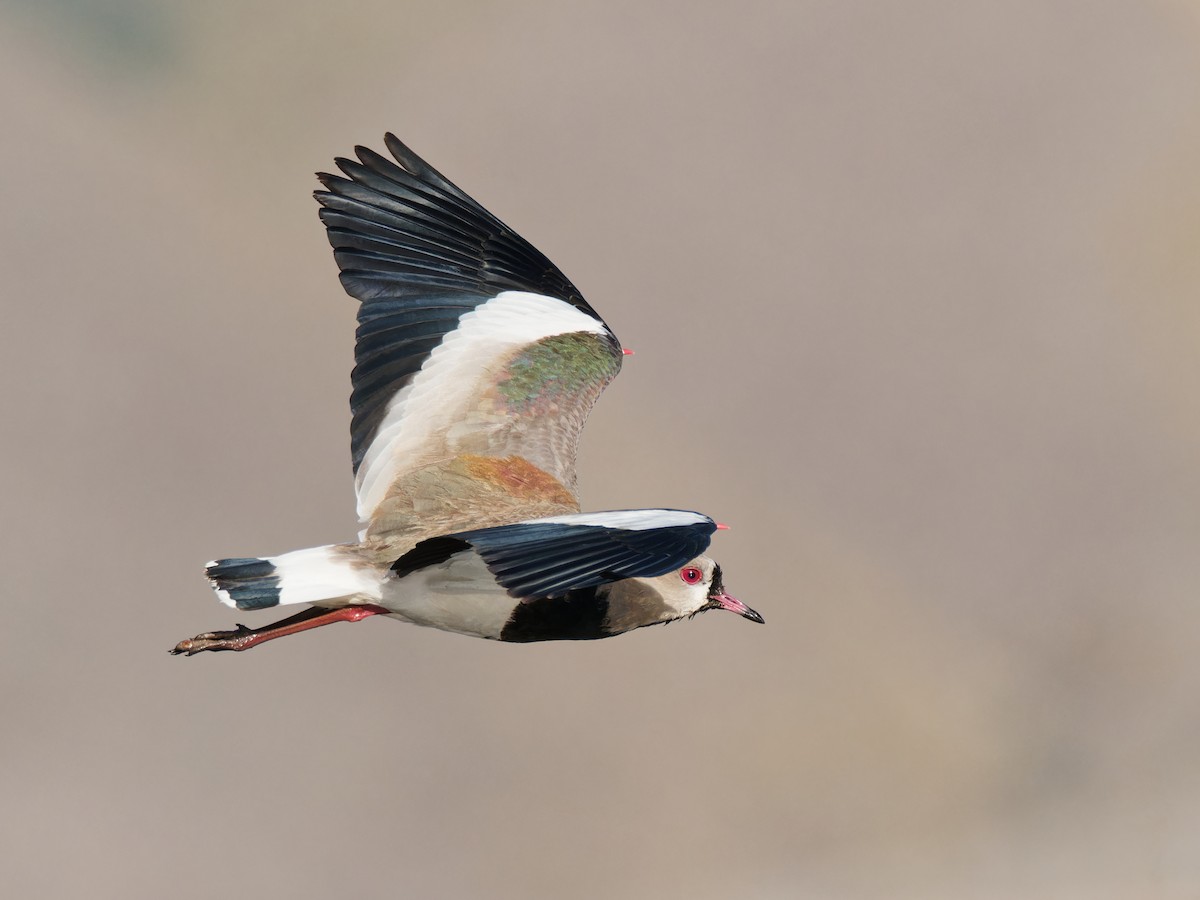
[[691, 575]]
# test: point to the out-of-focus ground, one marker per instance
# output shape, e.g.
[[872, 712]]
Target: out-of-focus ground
[[915, 294]]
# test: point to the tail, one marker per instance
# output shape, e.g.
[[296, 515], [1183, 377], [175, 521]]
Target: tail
[[334, 575]]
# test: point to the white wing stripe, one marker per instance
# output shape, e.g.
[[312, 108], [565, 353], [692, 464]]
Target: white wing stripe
[[632, 519]]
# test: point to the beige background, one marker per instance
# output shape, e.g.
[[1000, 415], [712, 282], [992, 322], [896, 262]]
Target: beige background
[[914, 291]]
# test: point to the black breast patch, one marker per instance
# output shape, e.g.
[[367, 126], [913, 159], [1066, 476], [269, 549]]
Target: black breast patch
[[577, 616]]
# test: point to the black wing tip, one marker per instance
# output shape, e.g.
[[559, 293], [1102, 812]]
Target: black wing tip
[[369, 157], [434, 225], [409, 163], [405, 155], [330, 182]]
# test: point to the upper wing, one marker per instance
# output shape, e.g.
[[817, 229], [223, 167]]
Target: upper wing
[[470, 341], [549, 557]]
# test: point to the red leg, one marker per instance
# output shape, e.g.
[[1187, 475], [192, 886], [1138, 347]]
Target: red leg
[[244, 638]]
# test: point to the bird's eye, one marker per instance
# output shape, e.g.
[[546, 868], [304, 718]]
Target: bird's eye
[[691, 575]]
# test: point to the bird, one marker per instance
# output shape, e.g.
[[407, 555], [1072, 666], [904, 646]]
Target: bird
[[477, 363]]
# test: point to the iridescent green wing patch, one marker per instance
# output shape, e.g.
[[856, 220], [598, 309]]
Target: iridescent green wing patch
[[565, 370]]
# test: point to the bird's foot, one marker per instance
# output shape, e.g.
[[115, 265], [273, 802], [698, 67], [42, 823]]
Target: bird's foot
[[243, 638], [239, 639]]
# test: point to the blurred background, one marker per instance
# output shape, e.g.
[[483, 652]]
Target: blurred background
[[913, 289]]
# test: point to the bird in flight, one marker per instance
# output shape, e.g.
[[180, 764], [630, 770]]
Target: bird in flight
[[477, 363]]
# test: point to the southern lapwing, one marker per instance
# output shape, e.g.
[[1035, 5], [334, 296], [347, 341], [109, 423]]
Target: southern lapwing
[[477, 365]]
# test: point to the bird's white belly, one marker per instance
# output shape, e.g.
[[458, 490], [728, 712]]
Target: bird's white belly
[[458, 595]]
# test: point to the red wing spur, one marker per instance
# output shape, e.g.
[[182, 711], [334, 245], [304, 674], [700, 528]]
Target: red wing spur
[[477, 363]]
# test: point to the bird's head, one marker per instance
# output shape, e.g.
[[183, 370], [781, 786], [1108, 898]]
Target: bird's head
[[697, 586]]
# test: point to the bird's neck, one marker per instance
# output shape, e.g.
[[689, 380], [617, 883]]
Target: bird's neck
[[633, 603]]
